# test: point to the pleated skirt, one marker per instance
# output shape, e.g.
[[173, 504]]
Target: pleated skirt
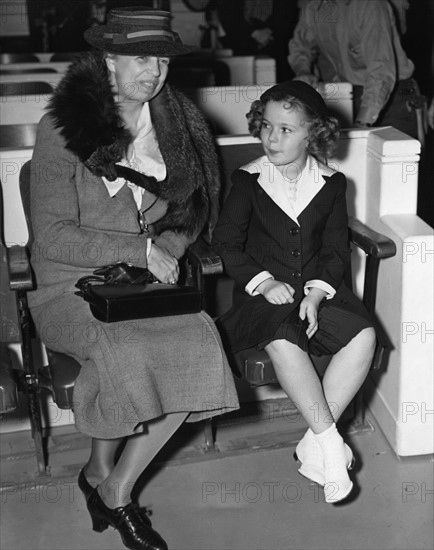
[[254, 322]]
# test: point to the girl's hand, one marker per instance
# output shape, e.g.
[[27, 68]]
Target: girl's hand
[[309, 308], [276, 292], [163, 265]]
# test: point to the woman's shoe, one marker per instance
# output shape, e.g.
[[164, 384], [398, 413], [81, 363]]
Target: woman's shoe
[[85, 487], [337, 484], [308, 452], [132, 524]]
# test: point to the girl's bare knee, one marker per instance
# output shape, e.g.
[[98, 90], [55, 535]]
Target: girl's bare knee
[[367, 342], [277, 346], [369, 337]]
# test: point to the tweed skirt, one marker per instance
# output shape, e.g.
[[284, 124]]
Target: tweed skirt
[[134, 371]]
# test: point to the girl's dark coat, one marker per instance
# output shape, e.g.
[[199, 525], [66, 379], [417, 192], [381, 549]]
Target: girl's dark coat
[[253, 234]]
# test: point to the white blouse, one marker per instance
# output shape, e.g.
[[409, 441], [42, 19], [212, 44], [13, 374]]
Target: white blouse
[[143, 156]]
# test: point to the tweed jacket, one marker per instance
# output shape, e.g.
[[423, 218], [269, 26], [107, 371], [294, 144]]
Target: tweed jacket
[[77, 226]]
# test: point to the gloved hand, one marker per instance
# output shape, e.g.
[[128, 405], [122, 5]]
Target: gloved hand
[[123, 274]]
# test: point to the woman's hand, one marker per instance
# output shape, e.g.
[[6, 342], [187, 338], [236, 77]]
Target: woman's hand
[[276, 292], [163, 265], [309, 308]]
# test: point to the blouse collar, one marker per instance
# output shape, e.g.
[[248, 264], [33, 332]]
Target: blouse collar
[[291, 195]]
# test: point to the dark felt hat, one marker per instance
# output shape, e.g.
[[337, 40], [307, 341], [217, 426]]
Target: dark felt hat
[[300, 90], [134, 31]]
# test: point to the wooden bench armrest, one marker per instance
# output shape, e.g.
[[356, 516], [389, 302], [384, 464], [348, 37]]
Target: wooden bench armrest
[[205, 258], [371, 242], [377, 247], [20, 272]]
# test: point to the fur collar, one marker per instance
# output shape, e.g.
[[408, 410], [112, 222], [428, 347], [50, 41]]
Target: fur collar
[[86, 115]]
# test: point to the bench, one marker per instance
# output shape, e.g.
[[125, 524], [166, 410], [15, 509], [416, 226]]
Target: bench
[[381, 168]]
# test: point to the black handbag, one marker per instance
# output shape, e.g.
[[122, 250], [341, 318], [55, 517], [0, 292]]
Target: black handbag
[[122, 292]]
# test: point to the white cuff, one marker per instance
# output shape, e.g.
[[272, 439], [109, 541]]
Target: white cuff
[[148, 246], [256, 281], [317, 283]]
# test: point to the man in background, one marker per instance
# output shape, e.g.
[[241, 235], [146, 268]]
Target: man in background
[[357, 41]]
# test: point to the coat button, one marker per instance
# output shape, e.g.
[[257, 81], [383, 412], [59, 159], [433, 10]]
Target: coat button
[[343, 301], [296, 253], [296, 274], [294, 231]]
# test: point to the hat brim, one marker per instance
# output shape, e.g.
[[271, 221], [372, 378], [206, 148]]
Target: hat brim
[[158, 48]]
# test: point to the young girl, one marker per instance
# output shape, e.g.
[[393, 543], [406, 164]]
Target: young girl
[[284, 240]]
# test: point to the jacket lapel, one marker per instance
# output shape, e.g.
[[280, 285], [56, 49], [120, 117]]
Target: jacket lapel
[[309, 184]]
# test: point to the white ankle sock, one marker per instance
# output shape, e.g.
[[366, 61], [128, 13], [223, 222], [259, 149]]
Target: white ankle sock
[[337, 482], [328, 432]]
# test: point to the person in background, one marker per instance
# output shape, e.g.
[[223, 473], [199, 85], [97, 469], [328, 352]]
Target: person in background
[[357, 41], [259, 27], [124, 169], [418, 42], [400, 8]]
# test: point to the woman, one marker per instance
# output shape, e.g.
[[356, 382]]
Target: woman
[[283, 233], [124, 169]]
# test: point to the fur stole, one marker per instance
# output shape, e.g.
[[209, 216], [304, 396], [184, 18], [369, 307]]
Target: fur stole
[[85, 112]]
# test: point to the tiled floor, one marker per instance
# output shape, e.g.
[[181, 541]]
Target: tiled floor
[[247, 496]]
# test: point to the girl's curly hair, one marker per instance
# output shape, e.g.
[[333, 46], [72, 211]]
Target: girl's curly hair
[[323, 132]]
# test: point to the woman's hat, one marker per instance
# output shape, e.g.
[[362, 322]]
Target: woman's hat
[[136, 32]]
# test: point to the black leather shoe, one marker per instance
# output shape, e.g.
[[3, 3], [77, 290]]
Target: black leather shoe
[[85, 487], [133, 525]]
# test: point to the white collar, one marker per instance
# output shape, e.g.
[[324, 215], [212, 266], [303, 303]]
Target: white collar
[[279, 188]]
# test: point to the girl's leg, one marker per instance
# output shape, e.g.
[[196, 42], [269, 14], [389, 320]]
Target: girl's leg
[[343, 378], [300, 381], [115, 489], [347, 371]]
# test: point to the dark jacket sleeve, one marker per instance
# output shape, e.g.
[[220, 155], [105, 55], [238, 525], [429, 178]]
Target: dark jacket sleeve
[[230, 234], [334, 254]]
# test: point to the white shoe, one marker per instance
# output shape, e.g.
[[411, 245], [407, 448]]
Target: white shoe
[[337, 483], [309, 453]]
